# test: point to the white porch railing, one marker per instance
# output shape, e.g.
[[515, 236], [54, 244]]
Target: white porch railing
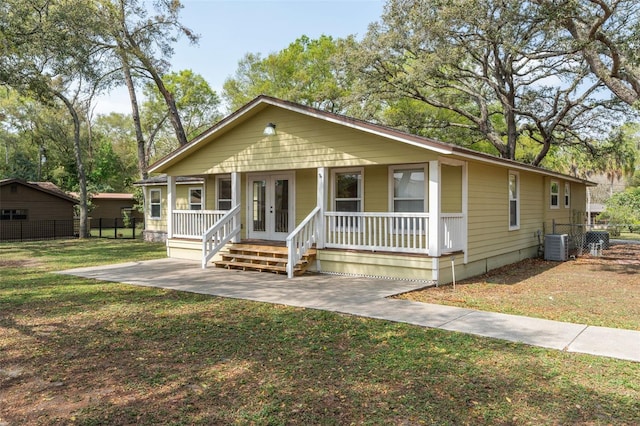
[[220, 234], [302, 238], [398, 232], [452, 232], [194, 223], [394, 232]]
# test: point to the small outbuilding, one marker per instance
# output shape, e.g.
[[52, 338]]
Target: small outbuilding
[[35, 210]]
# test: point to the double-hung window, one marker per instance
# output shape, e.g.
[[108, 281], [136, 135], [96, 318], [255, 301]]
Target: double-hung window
[[347, 196], [155, 203], [223, 192], [348, 191], [567, 195], [195, 198], [408, 190], [514, 200], [555, 195], [407, 193]]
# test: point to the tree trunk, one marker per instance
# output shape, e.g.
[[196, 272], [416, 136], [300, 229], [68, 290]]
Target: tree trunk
[[82, 177], [174, 116], [135, 114], [147, 64]]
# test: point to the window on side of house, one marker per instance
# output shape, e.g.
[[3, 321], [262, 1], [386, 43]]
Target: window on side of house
[[14, 214], [347, 190], [223, 192], [567, 195], [195, 199], [514, 200], [555, 195], [408, 189], [155, 203]]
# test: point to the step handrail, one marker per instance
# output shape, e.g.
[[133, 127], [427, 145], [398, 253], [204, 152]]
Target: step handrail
[[302, 239], [220, 234]]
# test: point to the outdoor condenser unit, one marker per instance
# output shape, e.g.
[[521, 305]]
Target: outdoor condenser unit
[[556, 247]]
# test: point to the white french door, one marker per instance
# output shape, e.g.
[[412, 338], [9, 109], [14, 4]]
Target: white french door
[[271, 204]]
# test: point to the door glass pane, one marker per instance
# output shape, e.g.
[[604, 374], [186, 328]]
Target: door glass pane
[[259, 205], [281, 207]]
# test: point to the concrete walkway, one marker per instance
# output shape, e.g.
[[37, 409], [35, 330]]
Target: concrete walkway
[[368, 298]]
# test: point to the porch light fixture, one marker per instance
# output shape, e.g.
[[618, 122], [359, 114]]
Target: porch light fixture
[[269, 130]]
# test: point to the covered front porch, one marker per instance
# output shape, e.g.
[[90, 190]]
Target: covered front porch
[[308, 209]]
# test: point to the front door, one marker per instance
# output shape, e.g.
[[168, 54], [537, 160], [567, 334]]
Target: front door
[[270, 206]]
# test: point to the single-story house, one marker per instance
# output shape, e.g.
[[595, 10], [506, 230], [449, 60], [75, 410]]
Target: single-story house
[[347, 196], [34, 210]]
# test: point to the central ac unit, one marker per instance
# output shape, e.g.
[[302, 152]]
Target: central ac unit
[[556, 247]]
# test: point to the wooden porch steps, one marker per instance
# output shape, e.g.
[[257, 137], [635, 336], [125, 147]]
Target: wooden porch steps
[[262, 258]]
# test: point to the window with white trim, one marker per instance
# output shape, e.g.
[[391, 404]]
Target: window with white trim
[[555, 195], [514, 200], [195, 199], [408, 193], [223, 192], [567, 195], [347, 190], [155, 203]]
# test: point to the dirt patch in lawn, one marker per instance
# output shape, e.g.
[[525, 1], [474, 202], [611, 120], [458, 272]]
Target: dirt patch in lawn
[[602, 290]]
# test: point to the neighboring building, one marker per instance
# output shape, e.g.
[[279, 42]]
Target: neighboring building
[[371, 200], [110, 206], [34, 210]]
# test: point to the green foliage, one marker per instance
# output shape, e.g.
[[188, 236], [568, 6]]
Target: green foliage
[[108, 172], [487, 65], [197, 104], [623, 209], [307, 72]]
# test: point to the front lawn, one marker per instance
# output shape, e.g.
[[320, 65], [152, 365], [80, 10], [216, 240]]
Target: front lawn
[[78, 351]]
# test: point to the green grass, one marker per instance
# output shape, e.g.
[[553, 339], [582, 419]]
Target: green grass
[[86, 352], [119, 233], [628, 236]]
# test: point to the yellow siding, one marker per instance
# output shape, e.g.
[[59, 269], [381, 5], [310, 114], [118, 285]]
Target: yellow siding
[[579, 202], [488, 229], [376, 264], [210, 193], [301, 142], [157, 224], [306, 193], [376, 189], [182, 196], [451, 193], [562, 214]]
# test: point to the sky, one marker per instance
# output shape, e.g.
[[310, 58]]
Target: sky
[[229, 29]]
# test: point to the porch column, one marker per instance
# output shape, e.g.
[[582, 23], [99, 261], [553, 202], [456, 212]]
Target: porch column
[[434, 208], [171, 204], [235, 199], [322, 203]]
